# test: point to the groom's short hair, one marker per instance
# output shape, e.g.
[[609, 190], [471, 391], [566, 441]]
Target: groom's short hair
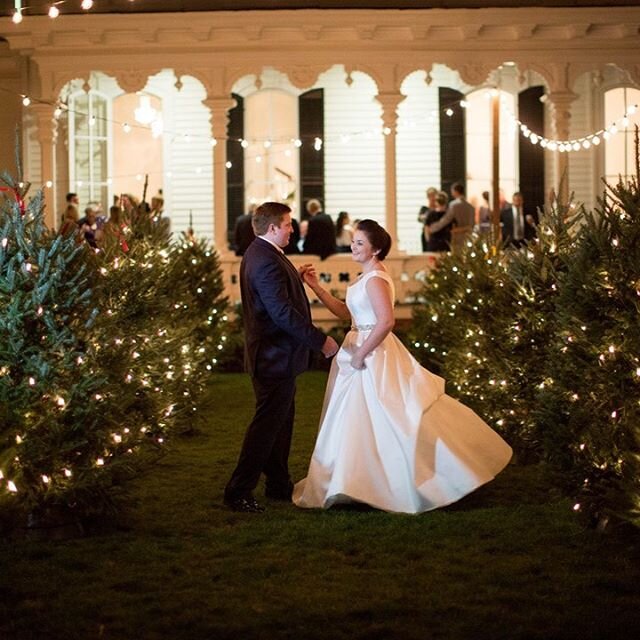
[[268, 213]]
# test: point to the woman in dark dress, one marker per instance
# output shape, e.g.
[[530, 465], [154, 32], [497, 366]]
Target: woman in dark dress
[[440, 240]]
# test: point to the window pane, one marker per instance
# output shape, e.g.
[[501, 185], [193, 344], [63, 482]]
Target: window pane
[[81, 114], [619, 148], [99, 110], [99, 161], [82, 159]]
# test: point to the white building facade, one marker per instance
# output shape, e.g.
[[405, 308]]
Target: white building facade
[[381, 73]]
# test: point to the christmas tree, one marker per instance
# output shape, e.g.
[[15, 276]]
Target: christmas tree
[[195, 291], [104, 351], [461, 329], [589, 408], [535, 272], [59, 452]]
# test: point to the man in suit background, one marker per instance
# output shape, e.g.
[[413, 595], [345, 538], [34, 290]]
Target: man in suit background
[[461, 213], [279, 337], [518, 222], [321, 232]]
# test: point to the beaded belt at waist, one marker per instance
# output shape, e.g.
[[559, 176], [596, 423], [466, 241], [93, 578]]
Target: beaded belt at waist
[[362, 327]]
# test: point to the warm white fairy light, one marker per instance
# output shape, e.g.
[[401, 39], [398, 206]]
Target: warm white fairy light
[[54, 12], [86, 4]]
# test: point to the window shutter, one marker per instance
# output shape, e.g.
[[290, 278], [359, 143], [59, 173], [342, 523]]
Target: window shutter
[[235, 175], [531, 156], [453, 159], [311, 126]]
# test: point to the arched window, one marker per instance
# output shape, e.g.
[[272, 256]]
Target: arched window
[[89, 145], [619, 155]]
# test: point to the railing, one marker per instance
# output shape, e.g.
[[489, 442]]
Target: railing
[[338, 271]]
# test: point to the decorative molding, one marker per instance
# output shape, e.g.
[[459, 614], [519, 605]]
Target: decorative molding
[[302, 77], [474, 74], [132, 80]]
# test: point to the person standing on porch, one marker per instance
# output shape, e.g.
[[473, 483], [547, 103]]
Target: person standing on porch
[[459, 212]]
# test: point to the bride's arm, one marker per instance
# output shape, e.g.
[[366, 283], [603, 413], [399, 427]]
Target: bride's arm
[[380, 296], [336, 306]]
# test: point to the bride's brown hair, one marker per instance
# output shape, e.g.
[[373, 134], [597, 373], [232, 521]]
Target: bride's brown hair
[[378, 237]]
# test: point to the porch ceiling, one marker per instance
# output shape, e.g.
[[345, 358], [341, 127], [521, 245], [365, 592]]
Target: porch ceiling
[[155, 6]]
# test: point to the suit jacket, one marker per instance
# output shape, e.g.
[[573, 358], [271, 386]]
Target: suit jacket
[[506, 222], [279, 335], [458, 211], [243, 234], [321, 236], [464, 216]]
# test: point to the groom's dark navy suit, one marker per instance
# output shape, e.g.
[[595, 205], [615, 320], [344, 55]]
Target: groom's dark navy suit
[[279, 337]]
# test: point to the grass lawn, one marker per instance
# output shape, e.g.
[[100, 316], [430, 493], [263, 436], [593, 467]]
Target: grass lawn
[[510, 561]]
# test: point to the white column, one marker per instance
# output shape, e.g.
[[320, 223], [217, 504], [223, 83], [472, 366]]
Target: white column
[[390, 102]]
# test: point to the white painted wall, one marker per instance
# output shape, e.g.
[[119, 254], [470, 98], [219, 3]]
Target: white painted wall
[[353, 153]]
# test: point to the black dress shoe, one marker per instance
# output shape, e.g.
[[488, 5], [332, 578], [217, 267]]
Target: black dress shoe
[[244, 505], [279, 493]]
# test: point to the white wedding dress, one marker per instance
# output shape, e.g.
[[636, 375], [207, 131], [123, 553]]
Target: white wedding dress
[[389, 435]]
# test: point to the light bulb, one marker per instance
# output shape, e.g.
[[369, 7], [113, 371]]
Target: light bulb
[[87, 4], [17, 17], [54, 12], [26, 101]]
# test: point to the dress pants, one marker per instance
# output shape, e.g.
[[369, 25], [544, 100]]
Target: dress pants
[[267, 441]]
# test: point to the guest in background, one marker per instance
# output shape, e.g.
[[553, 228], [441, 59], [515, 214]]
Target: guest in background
[[344, 233], [439, 240], [518, 223], [113, 230], [484, 214], [461, 213], [70, 199], [294, 241], [69, 220], [424, 212], [243, 234], [157, 211], [88, 225], [303, 228], [321, 232]]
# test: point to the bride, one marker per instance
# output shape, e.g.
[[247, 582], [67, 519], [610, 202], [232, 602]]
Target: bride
[[389, 435]]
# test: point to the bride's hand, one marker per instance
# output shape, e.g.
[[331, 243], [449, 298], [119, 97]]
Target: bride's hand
[[357, 362]]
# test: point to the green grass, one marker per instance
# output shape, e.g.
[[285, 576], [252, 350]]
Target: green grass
[[510, 561]]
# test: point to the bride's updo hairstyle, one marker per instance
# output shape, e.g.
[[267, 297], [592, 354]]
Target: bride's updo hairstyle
[[377, 236]]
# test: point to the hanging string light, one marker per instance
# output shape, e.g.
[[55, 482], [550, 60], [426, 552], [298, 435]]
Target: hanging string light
[[53, 11]]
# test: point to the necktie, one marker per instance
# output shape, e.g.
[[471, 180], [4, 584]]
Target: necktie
[[518, 226]]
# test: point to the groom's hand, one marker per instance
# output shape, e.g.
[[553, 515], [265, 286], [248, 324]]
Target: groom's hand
[[330, 347]]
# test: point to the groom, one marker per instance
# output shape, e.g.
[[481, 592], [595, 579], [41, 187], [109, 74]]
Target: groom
[[279, 337]]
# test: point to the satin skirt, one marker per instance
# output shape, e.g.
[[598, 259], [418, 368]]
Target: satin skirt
[[391, 438]]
